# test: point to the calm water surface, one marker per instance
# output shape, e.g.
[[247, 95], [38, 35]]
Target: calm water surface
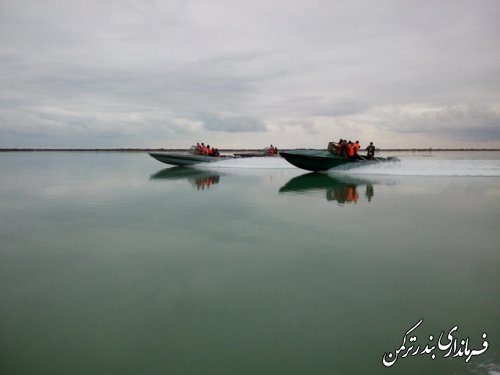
[[113, 263]]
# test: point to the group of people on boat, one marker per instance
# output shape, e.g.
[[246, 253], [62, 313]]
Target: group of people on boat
[[201, 149], [271, 151], [345, 148], [351, 149]]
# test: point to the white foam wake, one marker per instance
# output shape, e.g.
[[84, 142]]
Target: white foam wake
[[407, 166], [251, 163], [431, 167]]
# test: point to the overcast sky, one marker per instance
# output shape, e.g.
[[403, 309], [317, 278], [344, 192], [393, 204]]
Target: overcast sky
[[234, 73]]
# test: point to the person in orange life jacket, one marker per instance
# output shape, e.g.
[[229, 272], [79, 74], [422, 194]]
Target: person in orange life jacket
[[350, 150], [356, 149], [210, 151]]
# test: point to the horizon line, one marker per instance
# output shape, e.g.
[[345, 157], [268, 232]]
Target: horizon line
[[138, 149]]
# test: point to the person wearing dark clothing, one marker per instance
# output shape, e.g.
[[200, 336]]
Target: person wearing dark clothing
[[198, 149], [370, 151], [338, 147], [342, 148]]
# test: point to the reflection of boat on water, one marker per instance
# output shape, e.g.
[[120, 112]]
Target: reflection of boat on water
[[340, 189], [322, 160], [200, 178]]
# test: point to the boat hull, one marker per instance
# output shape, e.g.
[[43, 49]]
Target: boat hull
[[320, 160], [315, 160], [183, 159]]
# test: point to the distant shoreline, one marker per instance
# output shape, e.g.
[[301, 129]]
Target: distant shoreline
[[222, 150]]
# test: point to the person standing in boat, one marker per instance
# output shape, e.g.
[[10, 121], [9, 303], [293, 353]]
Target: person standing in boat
[[342, 147], [210, 151], [198, 149], [335, 147], [350, 150], [356, 150], [270, 151], [203, 148], [370, 151]]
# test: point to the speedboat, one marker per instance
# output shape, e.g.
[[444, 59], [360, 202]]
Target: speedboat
[[184, 158], [322, 160]]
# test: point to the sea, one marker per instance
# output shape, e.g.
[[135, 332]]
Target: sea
[[114, 263]]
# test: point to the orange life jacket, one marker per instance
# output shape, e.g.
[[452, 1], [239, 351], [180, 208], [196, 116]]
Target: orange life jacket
[[350, 151], [356, 148]]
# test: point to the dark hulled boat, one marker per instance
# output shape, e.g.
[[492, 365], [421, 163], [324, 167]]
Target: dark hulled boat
[[322, 160]]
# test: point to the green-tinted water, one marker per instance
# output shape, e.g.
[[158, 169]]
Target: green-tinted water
[[112, 264]]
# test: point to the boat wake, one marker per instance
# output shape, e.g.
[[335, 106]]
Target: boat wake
[[428, 167], [252, 163], [406, 166]]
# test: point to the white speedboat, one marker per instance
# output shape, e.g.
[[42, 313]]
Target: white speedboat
[[184, 158]]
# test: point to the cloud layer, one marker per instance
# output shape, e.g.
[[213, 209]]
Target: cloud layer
[[247, 73]]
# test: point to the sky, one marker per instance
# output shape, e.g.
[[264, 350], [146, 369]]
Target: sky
[[246, 74]]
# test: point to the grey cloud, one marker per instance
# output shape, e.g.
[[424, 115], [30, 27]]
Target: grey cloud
[[471, 122], [318, 106], [232, 124]]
